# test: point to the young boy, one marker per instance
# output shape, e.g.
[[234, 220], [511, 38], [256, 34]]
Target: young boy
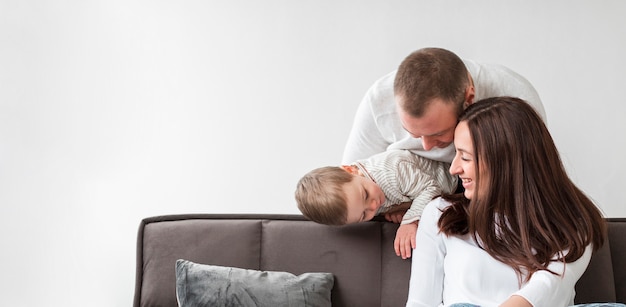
[[396, 183]]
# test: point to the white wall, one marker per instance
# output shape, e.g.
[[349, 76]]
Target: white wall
[[112, 111]]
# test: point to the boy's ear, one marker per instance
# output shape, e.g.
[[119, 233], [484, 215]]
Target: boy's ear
[[350, 169]]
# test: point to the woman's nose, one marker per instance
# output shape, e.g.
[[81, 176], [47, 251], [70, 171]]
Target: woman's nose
[[455, 169]]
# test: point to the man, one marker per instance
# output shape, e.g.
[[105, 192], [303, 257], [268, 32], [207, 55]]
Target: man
[[417, 106]]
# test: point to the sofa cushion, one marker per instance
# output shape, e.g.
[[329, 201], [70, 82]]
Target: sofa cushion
[[351, 253], [211, 285], [211, 241]]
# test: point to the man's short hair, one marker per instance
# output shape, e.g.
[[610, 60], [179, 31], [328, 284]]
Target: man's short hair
[[427, 74]]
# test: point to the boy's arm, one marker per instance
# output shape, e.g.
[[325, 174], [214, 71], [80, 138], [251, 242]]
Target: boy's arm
[[405, 236], [419, 183], [396, 212], [402, 207], [423, 197], [405, 239]]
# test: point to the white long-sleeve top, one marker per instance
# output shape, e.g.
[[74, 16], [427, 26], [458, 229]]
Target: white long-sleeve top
[[406, 177], [447, 270], [377, 126]]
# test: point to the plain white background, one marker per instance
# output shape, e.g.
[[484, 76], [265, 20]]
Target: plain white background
[[113, 111]]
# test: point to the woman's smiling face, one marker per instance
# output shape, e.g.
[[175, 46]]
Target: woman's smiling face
[[464, 163]]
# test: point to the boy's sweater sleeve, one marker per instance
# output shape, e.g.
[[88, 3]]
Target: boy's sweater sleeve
[[420, 186], [424, 196]]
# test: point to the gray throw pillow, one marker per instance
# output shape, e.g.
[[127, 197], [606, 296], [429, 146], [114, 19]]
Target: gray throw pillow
[[211, 285]]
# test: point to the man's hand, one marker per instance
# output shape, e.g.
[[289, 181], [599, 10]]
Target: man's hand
[[405, 240]]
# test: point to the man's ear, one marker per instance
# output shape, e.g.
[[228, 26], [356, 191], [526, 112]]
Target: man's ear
[[469, 92], [469, 96]]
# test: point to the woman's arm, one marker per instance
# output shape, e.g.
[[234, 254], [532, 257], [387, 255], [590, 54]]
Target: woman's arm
[[516, 301], [426, 283], [547, 289]]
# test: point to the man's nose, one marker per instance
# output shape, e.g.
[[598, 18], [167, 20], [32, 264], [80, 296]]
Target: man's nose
[[428, 143]]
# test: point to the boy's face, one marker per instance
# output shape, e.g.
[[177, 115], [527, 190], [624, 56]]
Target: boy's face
[[363, 198]]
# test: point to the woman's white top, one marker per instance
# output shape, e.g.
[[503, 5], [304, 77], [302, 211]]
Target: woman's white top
[[447, 270]]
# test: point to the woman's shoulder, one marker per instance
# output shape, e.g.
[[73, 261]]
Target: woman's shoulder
[[436, 206], [440, 202]]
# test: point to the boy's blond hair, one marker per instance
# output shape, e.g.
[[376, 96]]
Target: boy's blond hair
[[320, 195]]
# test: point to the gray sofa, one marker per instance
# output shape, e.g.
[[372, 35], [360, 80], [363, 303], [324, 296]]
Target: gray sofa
[[367, 272]]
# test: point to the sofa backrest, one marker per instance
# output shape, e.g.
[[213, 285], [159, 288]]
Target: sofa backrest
[[361, 257], [605, 277]]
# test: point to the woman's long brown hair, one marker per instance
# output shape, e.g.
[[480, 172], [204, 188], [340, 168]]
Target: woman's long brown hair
[[526, 211]]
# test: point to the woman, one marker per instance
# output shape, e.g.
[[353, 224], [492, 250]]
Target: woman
[[521, 234]]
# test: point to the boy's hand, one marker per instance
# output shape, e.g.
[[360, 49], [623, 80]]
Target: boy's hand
[[405, 240], [395, 217], [397, 212]]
